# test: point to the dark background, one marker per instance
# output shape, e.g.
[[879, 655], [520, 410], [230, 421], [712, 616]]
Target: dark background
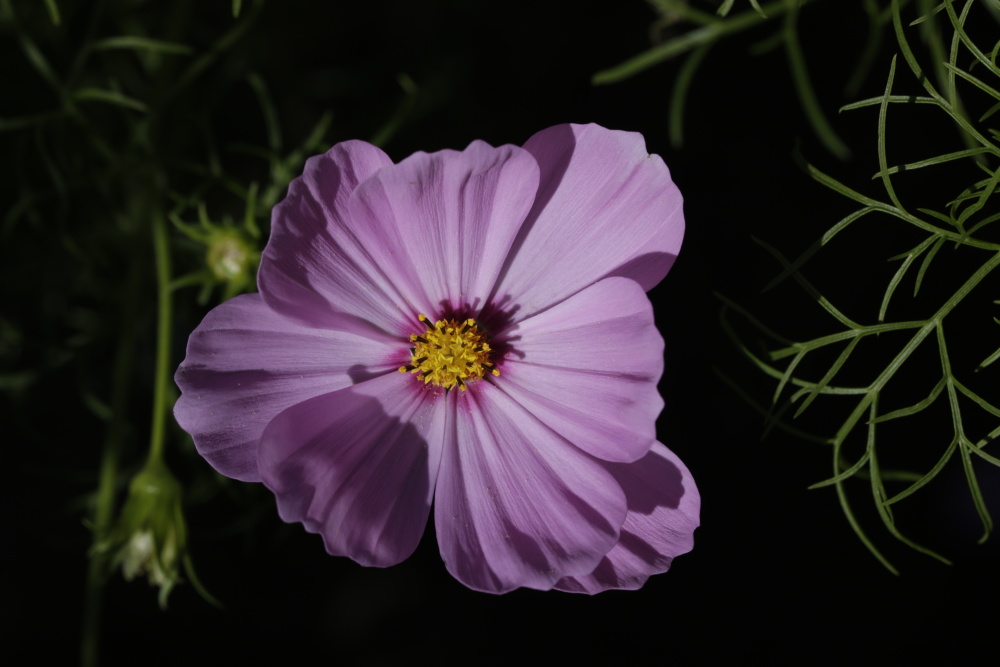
[[776, 575]]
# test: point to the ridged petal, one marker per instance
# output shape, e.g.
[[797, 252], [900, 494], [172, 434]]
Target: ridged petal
[[440, 225], [605, 207], [663, 511], [316, 269], [588, 368], [516, 504], [358, 466], [246, 363]]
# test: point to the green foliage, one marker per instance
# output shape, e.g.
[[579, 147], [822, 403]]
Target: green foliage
[[690, 33], [113, 137], [708, 29], [961, 225]]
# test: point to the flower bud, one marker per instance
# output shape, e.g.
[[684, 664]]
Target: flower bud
[[149, 537], [231, 257]]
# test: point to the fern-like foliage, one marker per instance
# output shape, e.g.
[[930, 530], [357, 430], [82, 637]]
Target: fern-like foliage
[[692, 32], [689, 29], [961, 224]]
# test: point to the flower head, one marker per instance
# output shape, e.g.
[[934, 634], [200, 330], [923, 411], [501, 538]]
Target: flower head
[[467, 331]]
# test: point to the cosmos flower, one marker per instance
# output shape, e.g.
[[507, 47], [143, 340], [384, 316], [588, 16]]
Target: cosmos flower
[[467, 331]]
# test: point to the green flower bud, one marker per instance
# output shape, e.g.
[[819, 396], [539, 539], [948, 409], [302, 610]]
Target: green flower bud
[[149, 537], [230, 257], [232, 253]]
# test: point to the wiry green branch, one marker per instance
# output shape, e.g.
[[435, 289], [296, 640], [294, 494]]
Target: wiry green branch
[[960, 224]]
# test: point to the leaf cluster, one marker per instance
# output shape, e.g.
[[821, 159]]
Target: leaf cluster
[[689, 30], [115, 128], [963, 225]]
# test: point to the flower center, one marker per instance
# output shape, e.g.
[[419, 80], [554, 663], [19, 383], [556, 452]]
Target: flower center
[[450, 353]]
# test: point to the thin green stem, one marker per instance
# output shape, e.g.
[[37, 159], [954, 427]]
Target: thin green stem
[[712, 32], [915, 342], [161, 247], [804, 88]]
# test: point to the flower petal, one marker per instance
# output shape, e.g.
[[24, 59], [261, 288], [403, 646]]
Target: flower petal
[[605, 207], [588, 368], [358, 467], [315, 270], [440, 225], [246, 363], [663, 512], [516, 504]]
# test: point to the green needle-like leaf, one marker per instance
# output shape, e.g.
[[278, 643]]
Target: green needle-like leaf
[[725, 7], [110, 97], [915, 408], [882, 161], [267, 109], [958, 23], [989, 189], [789, 372], [978, 83], [845, 506], [879, 494], [876, 29], [978, 451], [893, 99], [53, 10], [976, 398], [938, 242], [921, 76], [939, 159], [898, 276], [804, 87], [679, 93], [845, 474], [928, 476], [793, 267], [977, 494], [136, 43], [989, 360], [830, 374], [812, 291], [689, 41]]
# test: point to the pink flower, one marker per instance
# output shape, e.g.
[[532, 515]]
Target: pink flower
[[464, 329]]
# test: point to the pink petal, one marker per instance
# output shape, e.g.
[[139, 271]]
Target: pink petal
[[315, 270], [440, 225], [517, 505], [663, 512], [245, 364], [588, 368], [605, 207], [358, 467]]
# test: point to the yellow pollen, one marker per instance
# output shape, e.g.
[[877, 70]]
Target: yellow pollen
[[450, 353]]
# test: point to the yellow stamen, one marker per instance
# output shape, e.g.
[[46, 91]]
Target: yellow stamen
[[450, 353]]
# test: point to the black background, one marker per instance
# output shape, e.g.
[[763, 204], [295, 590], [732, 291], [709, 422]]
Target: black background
[[776, 575]]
